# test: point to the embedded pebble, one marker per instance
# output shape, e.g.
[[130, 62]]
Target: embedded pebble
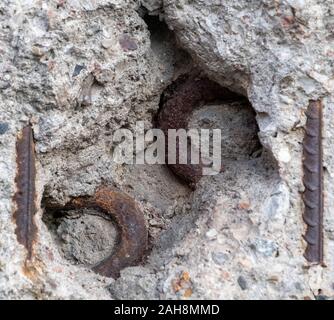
[[3, 127], [211, 234], [77, 69], [219, 257], [266, 247], [242, 283], [127, 43]]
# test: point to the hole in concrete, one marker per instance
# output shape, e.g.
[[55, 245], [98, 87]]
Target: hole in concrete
[[157, 27], [238, 126], [172, 59], [160, 35], [83, 236], [243, 158], [181, 106]]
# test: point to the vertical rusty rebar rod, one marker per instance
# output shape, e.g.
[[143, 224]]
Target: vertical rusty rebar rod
[[24, 197], [313, 181]]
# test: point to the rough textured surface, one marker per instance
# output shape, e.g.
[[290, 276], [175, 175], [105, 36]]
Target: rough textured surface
[[238, 132], [84, 236], [80, 69]]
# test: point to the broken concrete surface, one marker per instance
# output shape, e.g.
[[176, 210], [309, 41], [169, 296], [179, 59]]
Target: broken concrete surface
[[78, 70]]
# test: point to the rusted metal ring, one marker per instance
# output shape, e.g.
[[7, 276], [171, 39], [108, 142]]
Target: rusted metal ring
[[130, 220], [180, 99]]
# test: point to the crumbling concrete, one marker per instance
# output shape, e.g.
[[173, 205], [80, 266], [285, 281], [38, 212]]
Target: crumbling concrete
[[78, 70]]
